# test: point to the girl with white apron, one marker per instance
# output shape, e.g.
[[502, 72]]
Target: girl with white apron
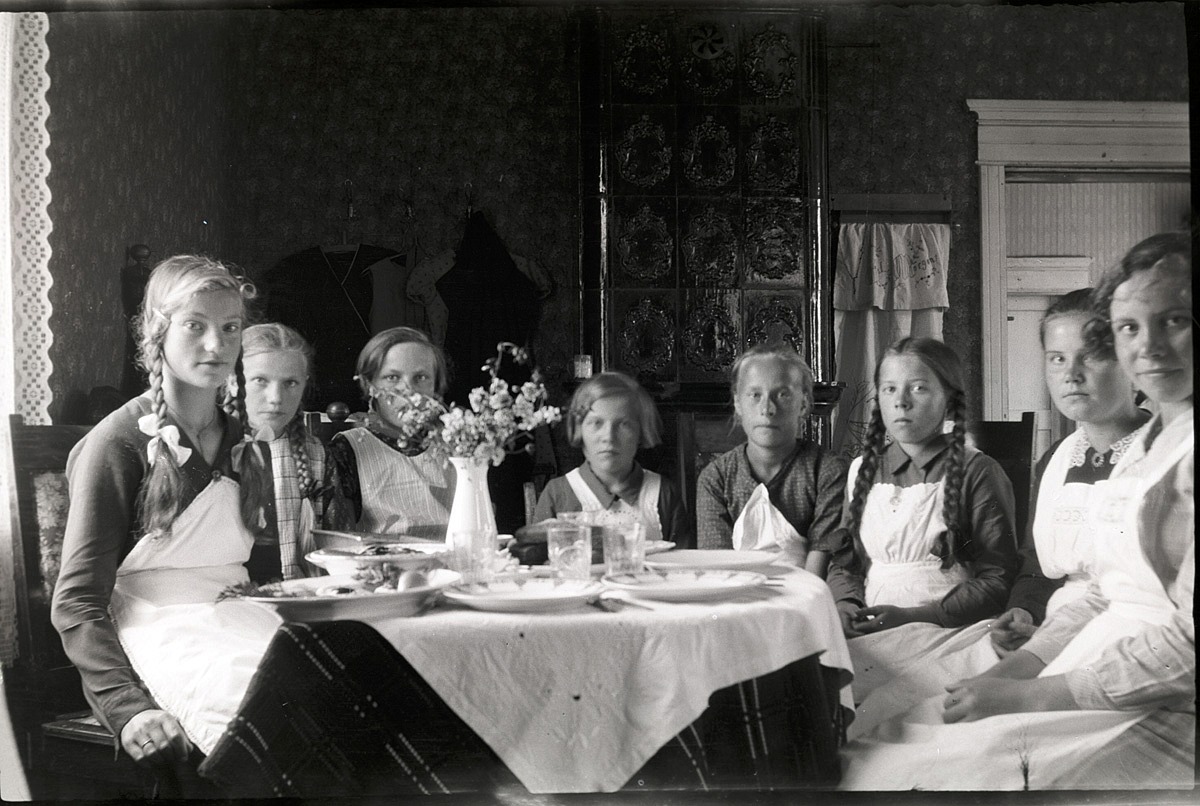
[[1064, 549], [400, 494], [899, 531], [194, 655], [1012, 751], [622, 513]]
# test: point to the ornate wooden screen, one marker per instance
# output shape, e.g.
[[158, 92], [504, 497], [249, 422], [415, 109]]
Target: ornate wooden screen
[[705, 210]]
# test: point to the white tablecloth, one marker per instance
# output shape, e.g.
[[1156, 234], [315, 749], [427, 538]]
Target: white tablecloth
[[579, 701]]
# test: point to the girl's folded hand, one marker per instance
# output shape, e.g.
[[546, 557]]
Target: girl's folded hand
[[879, 618]]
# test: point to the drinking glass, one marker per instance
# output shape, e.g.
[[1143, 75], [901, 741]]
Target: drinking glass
[[570, 550], [473, 554], [624, 548]]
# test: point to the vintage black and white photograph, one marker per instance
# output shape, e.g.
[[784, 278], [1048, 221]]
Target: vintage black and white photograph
[[539, 402]]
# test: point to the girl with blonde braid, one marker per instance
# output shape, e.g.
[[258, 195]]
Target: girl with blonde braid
[[278, 364], [167, 495], [930, 518]]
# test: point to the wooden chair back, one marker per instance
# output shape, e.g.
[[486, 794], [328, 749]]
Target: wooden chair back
[[322, 428], [699, 438], [1011, 443], [35, 463]]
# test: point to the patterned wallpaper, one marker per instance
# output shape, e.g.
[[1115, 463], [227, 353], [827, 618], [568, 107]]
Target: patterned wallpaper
[[424, 112], [253, 120], [136, 126], [899, 78]]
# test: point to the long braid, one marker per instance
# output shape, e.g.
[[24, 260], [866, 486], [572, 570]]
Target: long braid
[[952, 547], [297, 437], [252, 472], [159, 500], [873, 448]]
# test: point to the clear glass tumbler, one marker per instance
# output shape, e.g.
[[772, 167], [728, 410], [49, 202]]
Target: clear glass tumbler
[[473, 554], [624, 548], [570, 550]]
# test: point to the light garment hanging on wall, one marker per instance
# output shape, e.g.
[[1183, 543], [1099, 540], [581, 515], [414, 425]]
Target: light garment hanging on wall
[[889, 282]]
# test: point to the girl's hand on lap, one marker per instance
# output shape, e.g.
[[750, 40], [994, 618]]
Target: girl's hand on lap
[[976, 699], [1011, 630], [848, 613], [880, 617], [155, 737]]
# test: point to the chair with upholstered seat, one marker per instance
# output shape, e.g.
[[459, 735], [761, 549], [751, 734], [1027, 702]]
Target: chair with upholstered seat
[[67, 753]]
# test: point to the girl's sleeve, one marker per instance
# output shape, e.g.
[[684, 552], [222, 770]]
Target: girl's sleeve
[[823, 533], [674, 517], [545, 508], [343, 498], [714, 521], [104, 475], [989, 507]]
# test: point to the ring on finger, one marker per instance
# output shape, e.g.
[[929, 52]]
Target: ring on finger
[[147, 742]]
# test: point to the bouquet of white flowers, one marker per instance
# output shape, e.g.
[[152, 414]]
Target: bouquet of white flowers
[[414, 420], [502, 415]]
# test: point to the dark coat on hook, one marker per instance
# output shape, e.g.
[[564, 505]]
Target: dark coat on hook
[[489, 301]]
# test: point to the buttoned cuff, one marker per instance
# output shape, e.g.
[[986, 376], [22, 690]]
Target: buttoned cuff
[[1087, 690]]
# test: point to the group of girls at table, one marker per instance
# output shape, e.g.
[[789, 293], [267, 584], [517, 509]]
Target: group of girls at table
[[1072, 644]]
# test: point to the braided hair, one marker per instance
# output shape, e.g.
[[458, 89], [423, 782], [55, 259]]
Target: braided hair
[[173, 282], [273, 337], [947, 367]]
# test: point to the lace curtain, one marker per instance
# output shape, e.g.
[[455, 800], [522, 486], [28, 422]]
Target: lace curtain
[[24, 243], [889, 282]]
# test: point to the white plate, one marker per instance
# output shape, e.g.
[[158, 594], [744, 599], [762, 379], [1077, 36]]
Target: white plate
[[685, 586], [401, 555], [317, 601], [525, 594], [348, 540], [716, 559]]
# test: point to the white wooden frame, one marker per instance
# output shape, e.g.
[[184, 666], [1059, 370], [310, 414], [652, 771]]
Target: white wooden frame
[[1053, 136]]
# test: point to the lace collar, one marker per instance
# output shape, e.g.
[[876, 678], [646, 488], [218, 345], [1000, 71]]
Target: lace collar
[[1079, 454]]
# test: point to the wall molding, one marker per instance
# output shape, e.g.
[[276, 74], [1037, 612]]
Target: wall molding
[[1055, 135], [1082, 134]]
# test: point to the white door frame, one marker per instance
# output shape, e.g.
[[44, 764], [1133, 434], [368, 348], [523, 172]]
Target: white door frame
[[1056, 136]]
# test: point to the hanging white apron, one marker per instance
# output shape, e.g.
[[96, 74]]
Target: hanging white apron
[[917, 750], [622, 514], [760, 526], [195, 657]]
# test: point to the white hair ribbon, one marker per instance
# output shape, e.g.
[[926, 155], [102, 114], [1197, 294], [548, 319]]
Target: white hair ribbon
[[167, 435]]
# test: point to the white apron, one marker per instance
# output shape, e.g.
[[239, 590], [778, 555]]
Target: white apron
[[194, 656], [622, 514], [899, 528], [760, 526], [396, 490], [943, 656], [917, 750], [1060, 534]]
